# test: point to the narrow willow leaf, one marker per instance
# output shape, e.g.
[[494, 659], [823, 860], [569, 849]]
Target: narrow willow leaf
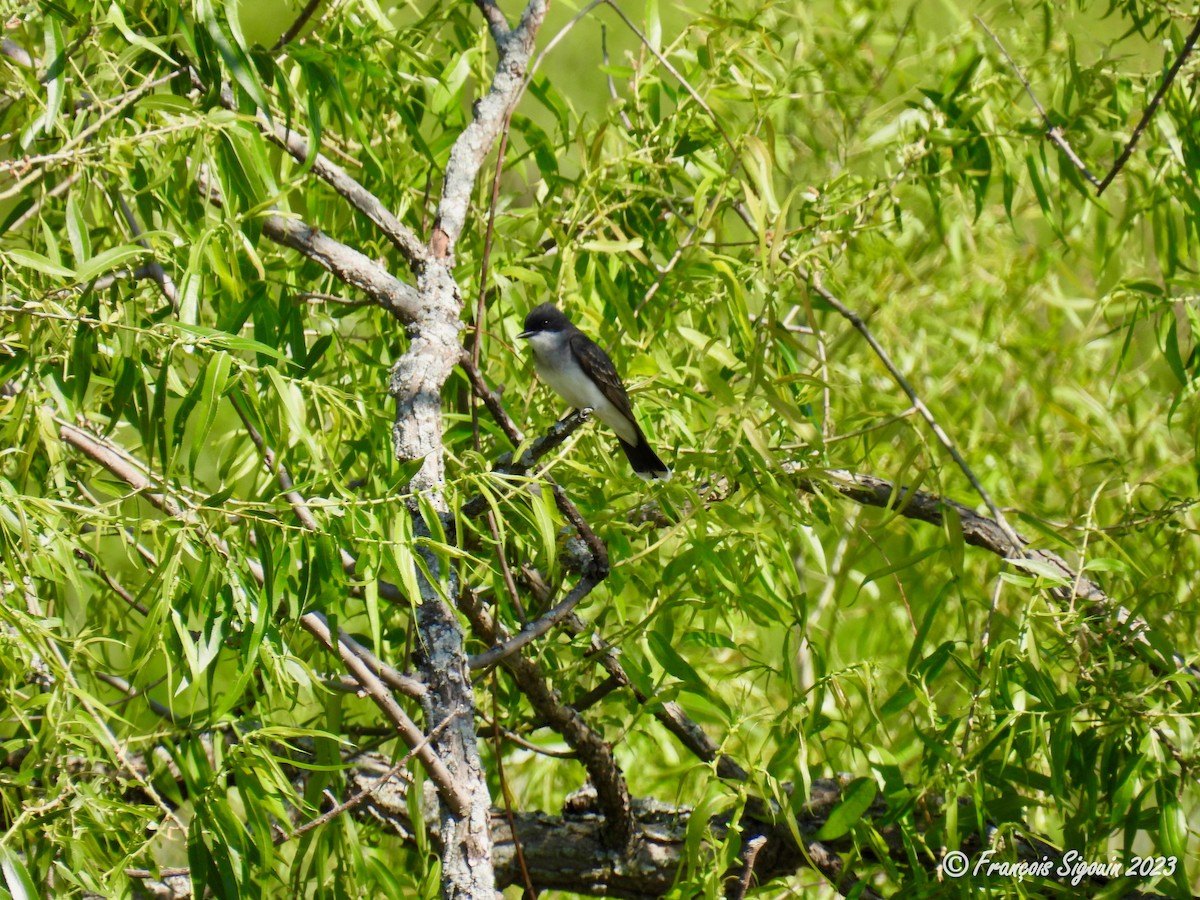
[[32, 260], [108, 260], [16, 877]]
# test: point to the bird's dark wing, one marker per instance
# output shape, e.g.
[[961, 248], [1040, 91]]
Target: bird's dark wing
[[596, 363]]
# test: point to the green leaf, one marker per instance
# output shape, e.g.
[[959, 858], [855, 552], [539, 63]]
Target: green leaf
[[116, 18], [16, 877], [32, 260], [857, 798], [233, 53], [228, 341], [216, 377], [674, 664], [109, 259]]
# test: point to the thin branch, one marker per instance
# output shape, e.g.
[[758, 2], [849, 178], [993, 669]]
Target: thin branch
[[321, 297], [494, 17], [405, 684], [1188, 44], [505, 465], [612, 85], [297, 26], [400, 235], [447, 786], [980, 531], [13, 51], [115, 586], [814, 282], [165, 284], [534, 630], [594, 752], [1053, 132], [367, 793], [489, 234], [669, 713], [506, 793]]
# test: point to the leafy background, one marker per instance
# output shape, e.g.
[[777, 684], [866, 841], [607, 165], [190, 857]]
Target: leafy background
[[891, 149]]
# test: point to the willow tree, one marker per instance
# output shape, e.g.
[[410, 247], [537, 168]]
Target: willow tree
[[310, 589]]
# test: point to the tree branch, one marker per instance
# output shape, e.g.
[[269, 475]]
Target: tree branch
[[346, 264], [366, 203], [297, 26], [1053, 132], [313, 622], [473, 145], [1188, 44], [980, 531], [596, 755], [343, 262]]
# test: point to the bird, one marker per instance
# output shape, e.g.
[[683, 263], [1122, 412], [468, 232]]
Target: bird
[[578, 370]]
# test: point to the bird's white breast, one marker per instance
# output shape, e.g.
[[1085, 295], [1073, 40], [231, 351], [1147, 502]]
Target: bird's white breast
[[558, 367]]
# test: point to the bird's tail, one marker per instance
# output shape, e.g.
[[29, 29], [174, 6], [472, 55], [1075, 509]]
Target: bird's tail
[[645, 462]]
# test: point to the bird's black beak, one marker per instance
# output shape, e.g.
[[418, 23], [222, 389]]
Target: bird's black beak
[[525, 335]]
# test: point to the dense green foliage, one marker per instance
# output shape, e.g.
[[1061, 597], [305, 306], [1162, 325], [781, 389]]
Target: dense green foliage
[[1052, 333]]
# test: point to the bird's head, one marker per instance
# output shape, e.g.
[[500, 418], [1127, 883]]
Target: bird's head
[[544, 319]]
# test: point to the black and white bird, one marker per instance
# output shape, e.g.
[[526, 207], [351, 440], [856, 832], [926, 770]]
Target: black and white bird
[[579, 371]]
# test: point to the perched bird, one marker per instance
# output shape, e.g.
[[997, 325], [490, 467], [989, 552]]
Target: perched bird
[[582, 374]]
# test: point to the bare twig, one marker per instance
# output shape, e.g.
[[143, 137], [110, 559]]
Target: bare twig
[[165, 284], [669, 713], [13, 51], [1053, 132], [61, 188], [1188, 44], [405, 684], [477, 338], [535, 629], [297, 26], [494, 17]]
